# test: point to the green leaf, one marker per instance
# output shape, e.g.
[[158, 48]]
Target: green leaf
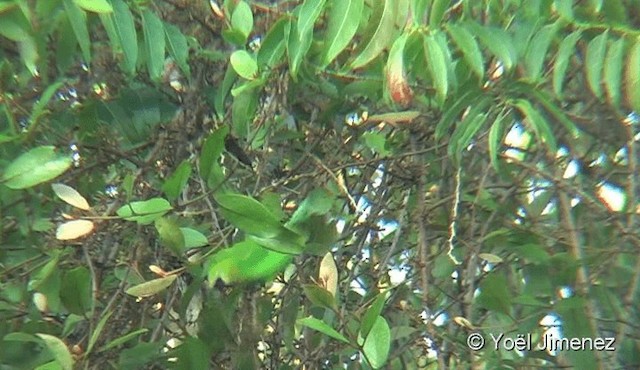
[[58, 349], [78, 20], [123, 339], [565, 52], [322, 327], [613, 71], [438, 8], [175, 183], [212, 149], [144, 212], [318, 202], [384, 29], [539, 124], [193, 238], [495, 140], [371, 315], [494, 293], [75, 291], [242, 19], [126, 31], [498, 41], [632, 77], [454, 111], [96, 6], [594, 61], [34, 167], [469, 47], [319, 296], [178, 47], [249, 215], [274, 45], [575, 324], [300, 33], [39, 107], [344, 19], [537, 50], [245, 262], [154, 37], [193, 354], [244, 64], [97, 331], [437, 66], [170, 235], [286, 241], [377, 344], [309, 12], [464, 133], [151, 287]]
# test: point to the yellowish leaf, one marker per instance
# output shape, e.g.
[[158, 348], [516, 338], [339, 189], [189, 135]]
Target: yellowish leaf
[[74, 229], [70, 196], [329, 274]]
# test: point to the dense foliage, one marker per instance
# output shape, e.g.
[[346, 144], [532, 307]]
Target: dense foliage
[[317, 184]]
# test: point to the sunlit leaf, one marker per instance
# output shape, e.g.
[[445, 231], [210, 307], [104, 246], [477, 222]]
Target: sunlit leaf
[[469, 47], [244, 64], [613, 71], [70, 196], [498, 41], [154, 38], [144, 212], [193, 238], [58, 350], [36, 166], [273, 45], [491, 258], [74, 229], [299, 33], [438, 9], [565, 52], [78, 20], [370, 316], [632, 77], [322, 327], [384, 29], [377, 344], [537, 50], [594, 62], [249, 215], [328, 273], [126, 31], [437, 66], [151, 287], [96, 6], [343, 24], [178, 47], [397, 83], [242, 19]]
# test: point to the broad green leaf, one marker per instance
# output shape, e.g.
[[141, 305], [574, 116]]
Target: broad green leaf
[[565, 52], [170, 235], [286, 241], [245, 262], [175, 183], [75, 291], [494, 293], [14, 25], [34, 167], [469, 47], [74, 229], [178, 47], [97, 331], [59, 350], [383, 21], [344, 19], [371, 315], [194, 354], [309, 12], [498, 41], [96, 6], [632, 77], [594, 61], [438, 8], [322, 327], [377, 344], [539, 124], [299, 33], [249, 215], [70, 196], [151, 287], [144, 212], [242, 19], [437, 66], [274, 45], [193, 238], [613, 71], [319, 296], [212, 149], [495, 140], [78, 20], [537, 50], [154, 37], [376, 141], [126, 31], [318, 202], [244, 64]]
